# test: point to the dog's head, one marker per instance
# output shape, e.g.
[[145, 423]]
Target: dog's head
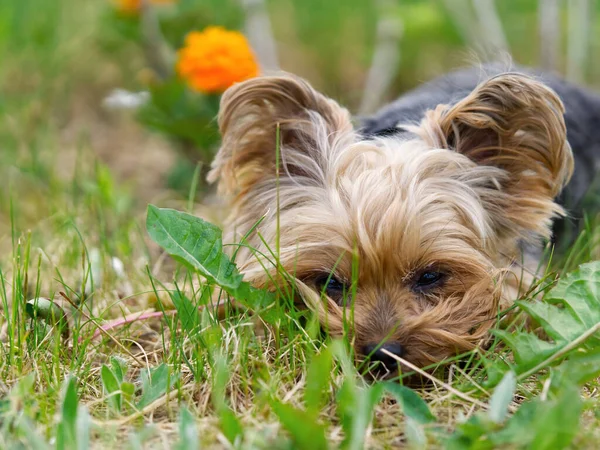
[[398, 240]]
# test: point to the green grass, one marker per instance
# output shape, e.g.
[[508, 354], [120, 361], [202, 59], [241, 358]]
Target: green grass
[[72, 229]]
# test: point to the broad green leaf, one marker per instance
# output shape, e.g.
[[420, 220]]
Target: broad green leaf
[[220, 380], [317, 381], [537, 424], [119, 368], [518, 429], [366, 400], [194, 242], [349, 394], [582, 284], [558, 422], [346, 400], [128, 392], [188, 431], [502, 397], [198, 244], [306, 432], [111, 385], [413, 406], [569, 311], [70, 403], [66, 433], [580, 368], [558, 323], [472, 434], [156, 382], [230, 424], [495, 370], [528, 349]]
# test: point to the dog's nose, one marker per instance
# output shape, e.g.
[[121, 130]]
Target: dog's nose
[[375, 353]]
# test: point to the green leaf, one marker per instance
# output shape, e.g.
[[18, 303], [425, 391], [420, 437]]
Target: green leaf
[[528, 349], [346, 402], [579, 369], [198, 245], [119, 368], [541, 425], [230, 424], [413, 406], [156, 382], [349, 394], [70, 403], [366, 399], [502, 397], [518, 429], [537, 424], [194, 242], [467, 434], [317, 381], [557, 423], [569, 312], [416, 413], [188, 431], [111, 385], [583, 284], [127, 391], [495, 370], [306, 432], [66, 433], [558, 323]]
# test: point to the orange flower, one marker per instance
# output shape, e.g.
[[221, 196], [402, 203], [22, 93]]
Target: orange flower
[[133, 6], [214, 59]]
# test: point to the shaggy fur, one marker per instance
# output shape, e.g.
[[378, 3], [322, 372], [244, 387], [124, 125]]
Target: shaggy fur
[[455, 190]]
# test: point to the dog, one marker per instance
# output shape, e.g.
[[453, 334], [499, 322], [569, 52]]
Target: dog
[[403, 231]]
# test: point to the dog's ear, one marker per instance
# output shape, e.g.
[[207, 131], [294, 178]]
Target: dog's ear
[[250, 115], [514, 123]]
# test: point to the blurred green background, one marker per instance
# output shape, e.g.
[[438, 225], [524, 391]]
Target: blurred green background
[[60, 59]]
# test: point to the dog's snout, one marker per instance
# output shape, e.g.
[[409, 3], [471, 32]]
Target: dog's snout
[[376, 354]]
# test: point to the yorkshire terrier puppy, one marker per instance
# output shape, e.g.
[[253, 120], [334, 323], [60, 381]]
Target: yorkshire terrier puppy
[[404, 230]]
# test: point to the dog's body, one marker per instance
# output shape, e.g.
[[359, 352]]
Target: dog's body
[[406, 227]]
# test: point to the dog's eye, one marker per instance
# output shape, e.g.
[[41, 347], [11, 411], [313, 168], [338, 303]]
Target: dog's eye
[[428, 278], [334, 288]]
